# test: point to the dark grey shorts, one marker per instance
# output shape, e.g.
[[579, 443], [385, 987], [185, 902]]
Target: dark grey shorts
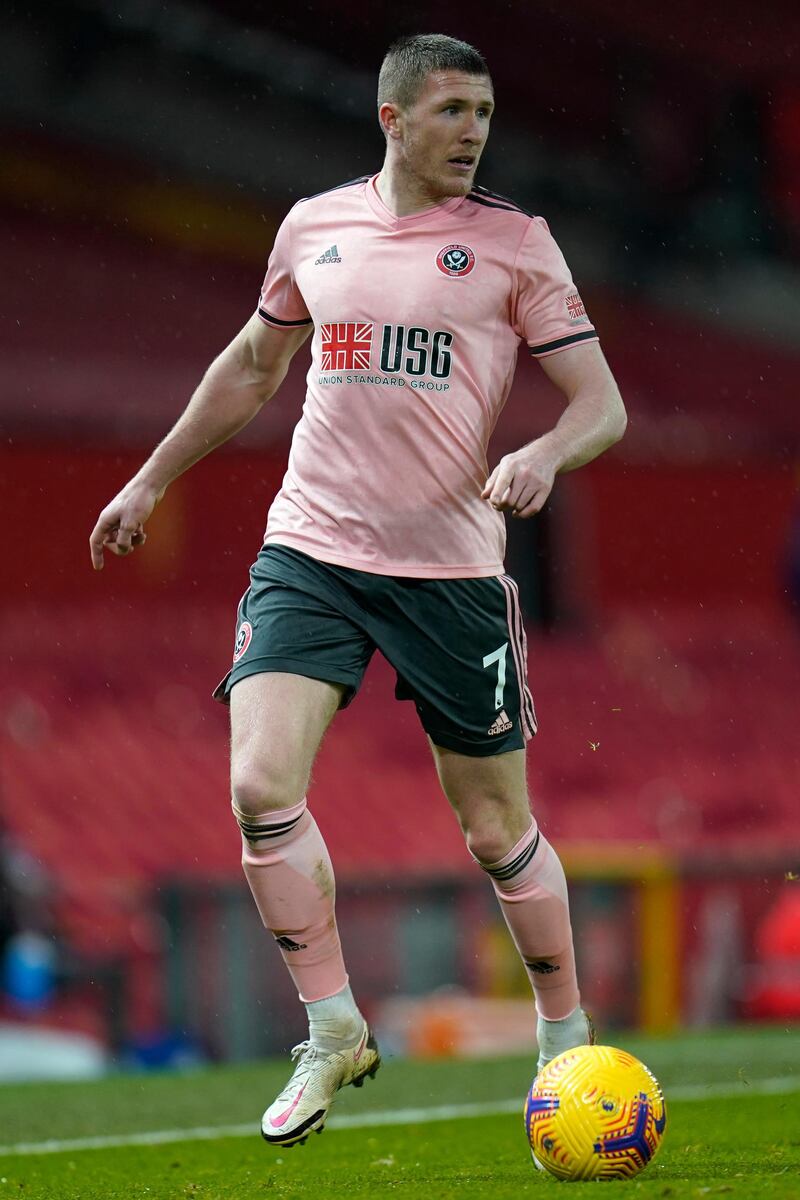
[[457, 645]]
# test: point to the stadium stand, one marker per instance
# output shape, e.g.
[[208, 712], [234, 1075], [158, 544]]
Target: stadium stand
[[665, 689], [111, 744]]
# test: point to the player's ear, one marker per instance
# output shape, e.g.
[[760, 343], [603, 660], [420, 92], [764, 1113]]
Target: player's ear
[[390, 118]]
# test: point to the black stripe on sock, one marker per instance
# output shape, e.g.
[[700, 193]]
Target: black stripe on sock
[[256, 832], [517, 864], [255, 836], [246, 824]]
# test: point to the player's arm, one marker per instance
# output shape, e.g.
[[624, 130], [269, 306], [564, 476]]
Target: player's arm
[[593, 419], [234, 388]]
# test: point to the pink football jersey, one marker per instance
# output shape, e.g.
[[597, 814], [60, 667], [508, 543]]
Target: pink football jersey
[[417, 321]]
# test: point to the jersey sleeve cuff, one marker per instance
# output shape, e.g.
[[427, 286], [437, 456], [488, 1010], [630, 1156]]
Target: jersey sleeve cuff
[[280, 323], [563, 343]]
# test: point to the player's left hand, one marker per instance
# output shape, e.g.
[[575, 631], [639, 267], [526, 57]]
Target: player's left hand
[[522, 481]]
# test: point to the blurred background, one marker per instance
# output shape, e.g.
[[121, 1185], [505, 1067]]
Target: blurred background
[[148, 152]]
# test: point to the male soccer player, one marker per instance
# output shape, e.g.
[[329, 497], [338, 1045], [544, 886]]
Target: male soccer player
[[388, 531]]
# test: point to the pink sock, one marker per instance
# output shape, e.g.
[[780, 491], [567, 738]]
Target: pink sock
[[532, 890], [289, 870]]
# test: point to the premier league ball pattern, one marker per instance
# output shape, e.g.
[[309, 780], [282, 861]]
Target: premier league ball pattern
[[595, 1113]]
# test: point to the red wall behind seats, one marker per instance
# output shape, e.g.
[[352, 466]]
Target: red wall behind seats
[[201, 539], [648, 536], [712, 536]]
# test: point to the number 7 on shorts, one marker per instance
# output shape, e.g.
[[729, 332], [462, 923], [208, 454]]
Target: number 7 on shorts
[[498, 656]]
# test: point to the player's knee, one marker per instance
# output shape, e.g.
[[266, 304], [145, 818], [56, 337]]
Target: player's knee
[[264, 787], [487, 845], [494, 830]]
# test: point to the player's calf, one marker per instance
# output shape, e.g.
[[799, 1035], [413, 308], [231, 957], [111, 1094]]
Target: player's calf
[[287, 866]]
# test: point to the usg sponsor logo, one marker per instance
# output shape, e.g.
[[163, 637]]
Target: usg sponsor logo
[[416, 351], [413, 351]]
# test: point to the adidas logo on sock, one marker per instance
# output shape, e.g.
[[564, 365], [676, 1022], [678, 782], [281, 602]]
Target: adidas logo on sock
[[501, 725], [287, 943], [331, 255], [541, 966]]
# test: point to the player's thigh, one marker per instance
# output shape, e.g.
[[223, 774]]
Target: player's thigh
[[299, 654], [278, 721], [489, 796]]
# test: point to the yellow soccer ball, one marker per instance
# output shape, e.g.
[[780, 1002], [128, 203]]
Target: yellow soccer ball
[[595, 1113]]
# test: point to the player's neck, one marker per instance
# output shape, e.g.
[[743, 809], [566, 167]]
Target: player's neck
[[404, 194]]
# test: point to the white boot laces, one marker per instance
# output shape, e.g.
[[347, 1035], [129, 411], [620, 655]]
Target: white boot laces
[[301, 1050]]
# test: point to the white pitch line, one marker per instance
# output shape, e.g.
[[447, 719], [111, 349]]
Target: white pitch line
[[396, 1116]]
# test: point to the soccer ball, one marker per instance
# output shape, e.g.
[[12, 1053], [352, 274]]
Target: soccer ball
[[594, 1113]]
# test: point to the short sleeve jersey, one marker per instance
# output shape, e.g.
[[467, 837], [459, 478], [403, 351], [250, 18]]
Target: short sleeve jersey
[[417, 322]]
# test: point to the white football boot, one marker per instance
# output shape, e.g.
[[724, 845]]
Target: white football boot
[[302, 1106]]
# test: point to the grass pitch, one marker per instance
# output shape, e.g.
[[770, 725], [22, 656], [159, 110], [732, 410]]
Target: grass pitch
[[733, 1107]]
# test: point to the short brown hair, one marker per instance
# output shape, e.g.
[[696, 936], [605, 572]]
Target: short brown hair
[[410, 60]]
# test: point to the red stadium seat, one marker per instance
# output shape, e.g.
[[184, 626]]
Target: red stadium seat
[[114, 758]]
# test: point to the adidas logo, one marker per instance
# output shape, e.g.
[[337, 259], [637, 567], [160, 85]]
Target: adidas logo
[[541, 966], [330, 256], [288, 943], [501, 725]]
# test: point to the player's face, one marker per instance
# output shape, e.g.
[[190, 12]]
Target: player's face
[[445, 130]]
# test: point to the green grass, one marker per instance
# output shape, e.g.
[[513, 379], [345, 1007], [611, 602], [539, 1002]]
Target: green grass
[[747, 1146]]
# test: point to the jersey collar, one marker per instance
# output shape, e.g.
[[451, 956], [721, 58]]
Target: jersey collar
[[420, 218]]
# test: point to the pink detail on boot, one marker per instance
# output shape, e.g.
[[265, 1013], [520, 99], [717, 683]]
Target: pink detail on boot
[[288, 868], [534, 903]]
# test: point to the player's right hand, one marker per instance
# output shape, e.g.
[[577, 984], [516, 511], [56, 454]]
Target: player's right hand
[[120, 526]]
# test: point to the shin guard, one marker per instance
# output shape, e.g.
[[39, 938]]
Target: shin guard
[[289, 870], [530, 884]]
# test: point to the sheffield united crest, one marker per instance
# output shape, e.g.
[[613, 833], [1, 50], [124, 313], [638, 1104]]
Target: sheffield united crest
[[243, 638], [455, 260]]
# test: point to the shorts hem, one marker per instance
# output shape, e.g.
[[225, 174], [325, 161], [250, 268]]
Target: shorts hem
[[291, 666], [477, 749]]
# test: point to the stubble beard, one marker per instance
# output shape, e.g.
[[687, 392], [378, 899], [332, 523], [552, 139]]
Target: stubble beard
[[458, 185], [434, 182]]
